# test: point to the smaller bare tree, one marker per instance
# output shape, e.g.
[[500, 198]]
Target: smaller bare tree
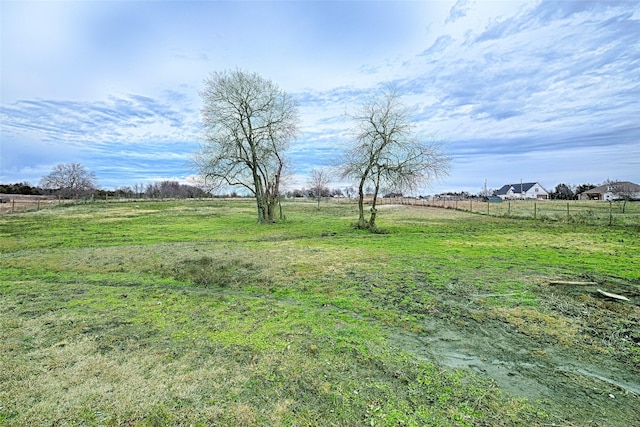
[[386, 153], [319, 180], [349, 191], [138, 189], [69, 180]]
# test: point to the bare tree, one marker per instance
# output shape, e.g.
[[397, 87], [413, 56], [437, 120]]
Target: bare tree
[[248, 122], [386, 152], [318, 180], [69, 180], [124, 191], [138, 189], [349, 191]]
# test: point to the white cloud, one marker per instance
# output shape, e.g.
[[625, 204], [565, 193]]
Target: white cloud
[[507, 85]]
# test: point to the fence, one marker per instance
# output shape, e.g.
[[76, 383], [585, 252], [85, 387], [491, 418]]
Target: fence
[[574, 211], [21, 203], [16, 205]]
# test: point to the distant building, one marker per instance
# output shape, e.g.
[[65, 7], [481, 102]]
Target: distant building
[[524, 190], [619, 190]]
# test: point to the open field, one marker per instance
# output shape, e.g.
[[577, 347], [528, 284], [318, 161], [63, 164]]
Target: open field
[[190, 313]]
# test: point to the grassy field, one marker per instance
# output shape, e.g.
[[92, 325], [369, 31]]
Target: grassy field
[[586, 212], [190, 313]]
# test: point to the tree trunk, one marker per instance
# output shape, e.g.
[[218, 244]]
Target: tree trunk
[[361, 222], [260, 197], [281, 217], [261, 209], [272, 206], [372, 218], [374, 211]]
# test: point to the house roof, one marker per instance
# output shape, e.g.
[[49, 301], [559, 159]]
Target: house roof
[[615, 187], [526, 186]]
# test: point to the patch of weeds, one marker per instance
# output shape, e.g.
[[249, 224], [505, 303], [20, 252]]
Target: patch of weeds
[[583, 217], [392, 299], [607, 325], [377, 230], [536, 324], [210, 272]]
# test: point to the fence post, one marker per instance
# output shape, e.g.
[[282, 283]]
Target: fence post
[[610, 213], [13, 205], [534, 211], [568, 216], [38, 208], [470, 205], [509, 209], [487, 208]]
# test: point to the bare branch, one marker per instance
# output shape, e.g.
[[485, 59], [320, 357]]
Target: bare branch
[[70, 180], [386, 152]]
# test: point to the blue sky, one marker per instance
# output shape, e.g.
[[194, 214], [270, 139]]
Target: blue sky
[[534, 91]]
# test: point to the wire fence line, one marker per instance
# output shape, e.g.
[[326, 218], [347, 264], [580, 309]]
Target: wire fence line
[[16, 205], [573, 211], [20, 203], [570, 211], [11, 203]]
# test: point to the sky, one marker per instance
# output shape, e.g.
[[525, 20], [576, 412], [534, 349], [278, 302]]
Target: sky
[[531, 91]]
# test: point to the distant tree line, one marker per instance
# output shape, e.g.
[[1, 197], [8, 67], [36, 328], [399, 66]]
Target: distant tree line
[[173, 189], [314, 192], [461, 195], [74, 181], [155, 190], [324, 192], [20, 188]]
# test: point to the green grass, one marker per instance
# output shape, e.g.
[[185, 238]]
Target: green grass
[[190, 313]]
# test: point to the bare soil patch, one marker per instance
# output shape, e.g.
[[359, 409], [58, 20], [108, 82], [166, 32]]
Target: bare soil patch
[[592, 384]]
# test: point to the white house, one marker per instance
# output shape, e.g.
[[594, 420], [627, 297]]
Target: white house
[[613, 191], [524, 190]]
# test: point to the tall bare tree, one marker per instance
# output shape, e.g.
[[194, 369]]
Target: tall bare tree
[[69, 180], [318, 181], [138, 189], [248, 123], [387, 153]]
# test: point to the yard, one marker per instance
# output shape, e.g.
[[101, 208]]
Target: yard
[[190, 313]]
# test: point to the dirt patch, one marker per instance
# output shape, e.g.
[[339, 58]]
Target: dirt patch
[[569, 384], [570, 350]]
